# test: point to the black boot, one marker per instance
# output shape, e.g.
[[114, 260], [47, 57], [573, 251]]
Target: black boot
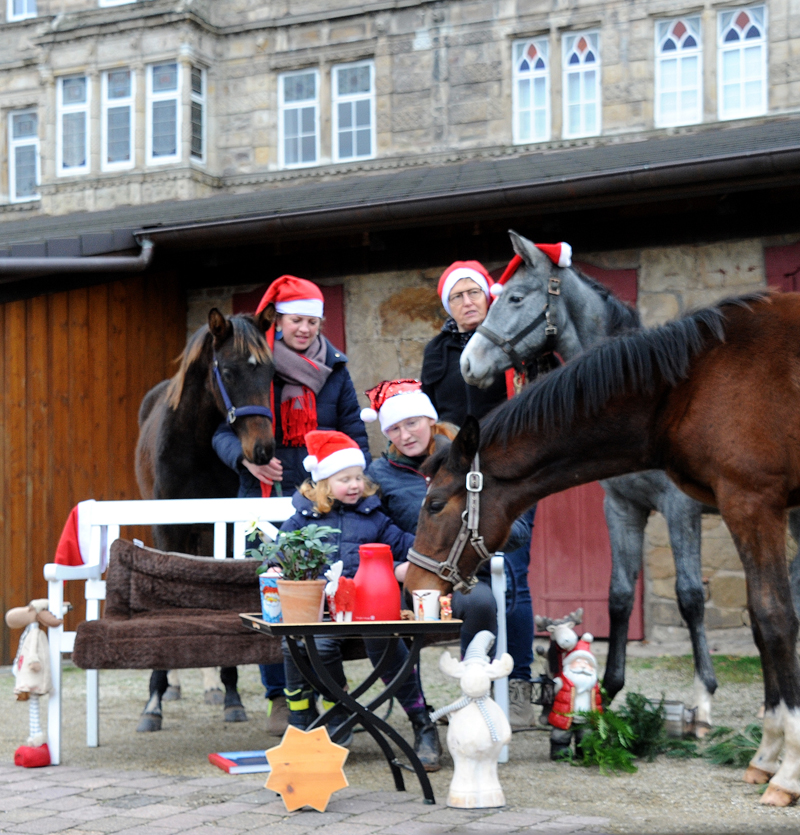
[[302, 707], [426, 739]]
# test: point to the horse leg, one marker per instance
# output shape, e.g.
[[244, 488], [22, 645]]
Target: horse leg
[[758, 528], [626, 522], [684, 520], [794, 566], [212, 692], [234, 709], [150, 720], [173, 691]]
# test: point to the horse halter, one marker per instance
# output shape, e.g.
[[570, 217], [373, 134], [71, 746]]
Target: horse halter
[[231, 411], [545, 356], [470, 519]]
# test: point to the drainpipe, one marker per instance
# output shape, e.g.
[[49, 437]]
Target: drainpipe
[[12, 267]]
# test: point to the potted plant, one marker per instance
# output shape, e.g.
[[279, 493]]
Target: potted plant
[[302, 556]]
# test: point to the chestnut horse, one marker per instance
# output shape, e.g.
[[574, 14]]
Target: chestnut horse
[[713, 399], [225, 372]]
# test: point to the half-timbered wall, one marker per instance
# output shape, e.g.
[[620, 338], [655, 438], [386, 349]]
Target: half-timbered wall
[[74, 366]]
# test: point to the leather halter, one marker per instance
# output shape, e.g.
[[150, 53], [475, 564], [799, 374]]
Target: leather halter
[[470, 519], [545, 356], [231, 411]]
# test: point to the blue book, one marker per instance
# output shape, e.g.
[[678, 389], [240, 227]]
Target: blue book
[[240, 762]]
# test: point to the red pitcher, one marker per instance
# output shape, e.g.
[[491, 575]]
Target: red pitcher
[[377, 590]]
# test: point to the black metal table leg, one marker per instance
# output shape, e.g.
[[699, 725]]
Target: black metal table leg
[[374, 725]]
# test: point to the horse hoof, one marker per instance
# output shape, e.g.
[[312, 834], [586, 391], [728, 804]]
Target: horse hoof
[[775, 796], [172, 693], [756, 776], [702, 729], [149, 722], [234, 713], [215, 696]]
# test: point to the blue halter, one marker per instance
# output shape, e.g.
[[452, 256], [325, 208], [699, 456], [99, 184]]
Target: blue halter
[[243, 411]]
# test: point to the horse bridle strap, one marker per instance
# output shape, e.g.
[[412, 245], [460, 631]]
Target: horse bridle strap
[[470, 519], [508, 346], [231, 411]]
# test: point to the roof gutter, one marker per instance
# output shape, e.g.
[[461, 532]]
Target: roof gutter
[[643, 182], [12, 267]]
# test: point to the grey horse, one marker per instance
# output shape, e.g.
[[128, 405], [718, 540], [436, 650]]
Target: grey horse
[[548, 308]]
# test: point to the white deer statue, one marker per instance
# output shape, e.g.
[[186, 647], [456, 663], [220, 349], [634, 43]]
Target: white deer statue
[[478, 728]]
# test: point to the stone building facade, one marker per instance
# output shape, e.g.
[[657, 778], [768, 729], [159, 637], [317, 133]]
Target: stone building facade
[[109, 106]]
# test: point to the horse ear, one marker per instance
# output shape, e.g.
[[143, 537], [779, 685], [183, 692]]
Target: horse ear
[[464, 446], [218, 324], [265, 319], [525, 248]]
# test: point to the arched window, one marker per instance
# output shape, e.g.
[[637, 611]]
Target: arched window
[[679, 99], [581, 84], [742, 47], [531, 91]]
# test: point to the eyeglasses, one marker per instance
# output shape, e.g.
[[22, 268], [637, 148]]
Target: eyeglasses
[[473, 295]]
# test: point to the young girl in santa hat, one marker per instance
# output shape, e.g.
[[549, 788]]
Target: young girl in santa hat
[[338, 494]]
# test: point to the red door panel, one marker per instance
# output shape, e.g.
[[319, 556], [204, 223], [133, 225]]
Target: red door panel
[[782, 266]]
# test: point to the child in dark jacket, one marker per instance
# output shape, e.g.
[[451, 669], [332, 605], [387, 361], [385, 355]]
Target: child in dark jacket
[[339, 495]]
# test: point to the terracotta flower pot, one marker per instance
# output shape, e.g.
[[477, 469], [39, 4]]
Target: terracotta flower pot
[[302, 601]]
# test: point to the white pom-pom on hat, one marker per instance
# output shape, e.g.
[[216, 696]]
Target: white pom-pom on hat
[[309, 462], [496, 289], [369, 415]]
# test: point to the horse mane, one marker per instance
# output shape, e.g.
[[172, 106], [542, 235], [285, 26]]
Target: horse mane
[[247, 339], [633, 362], [621, 316]]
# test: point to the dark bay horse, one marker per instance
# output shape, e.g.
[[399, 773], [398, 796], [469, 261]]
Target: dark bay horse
[[713, 399], [582, 313], [174, 456]]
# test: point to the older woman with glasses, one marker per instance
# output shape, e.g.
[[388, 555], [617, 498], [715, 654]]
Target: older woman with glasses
[[464, 291]]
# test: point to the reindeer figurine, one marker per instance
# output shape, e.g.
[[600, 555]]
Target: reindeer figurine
[[563, 639], [478, 728]]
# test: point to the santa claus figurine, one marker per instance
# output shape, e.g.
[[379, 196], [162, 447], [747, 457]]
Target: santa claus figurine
[[577, 692]]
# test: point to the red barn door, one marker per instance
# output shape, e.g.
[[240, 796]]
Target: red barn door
[[570, 548]]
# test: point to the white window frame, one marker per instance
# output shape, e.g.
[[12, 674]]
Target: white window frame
[[107, 104], [663, 30], [337, 99], [152, 98], [201, 100], [519, 52], [724, 20], [13, 145], [570, 39], [63, 110], [11, 17], [103, 3], [283, 107]]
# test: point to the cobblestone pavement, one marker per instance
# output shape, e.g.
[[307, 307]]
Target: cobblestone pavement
[[67, 799]]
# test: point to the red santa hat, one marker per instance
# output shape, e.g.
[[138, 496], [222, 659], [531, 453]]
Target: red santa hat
[[330, 452], [583, 649], [396, 400], [463, 269], [73, 547], [559, 254], [295, 295]]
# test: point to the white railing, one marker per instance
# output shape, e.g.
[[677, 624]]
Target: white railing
[[105, 520]]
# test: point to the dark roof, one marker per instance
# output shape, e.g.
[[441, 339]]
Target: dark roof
[[714, 158]]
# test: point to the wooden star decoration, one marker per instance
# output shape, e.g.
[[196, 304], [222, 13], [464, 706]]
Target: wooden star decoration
[[307, 768]]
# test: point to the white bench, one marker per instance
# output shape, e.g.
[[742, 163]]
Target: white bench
[[105, 520]]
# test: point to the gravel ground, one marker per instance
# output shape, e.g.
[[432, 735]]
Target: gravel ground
[[667, 796]]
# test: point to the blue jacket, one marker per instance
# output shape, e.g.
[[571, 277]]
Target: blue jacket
[[358, 524], [337, 408], [403, 489]]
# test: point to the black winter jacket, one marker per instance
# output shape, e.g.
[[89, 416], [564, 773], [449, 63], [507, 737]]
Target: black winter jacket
[[443, 383]]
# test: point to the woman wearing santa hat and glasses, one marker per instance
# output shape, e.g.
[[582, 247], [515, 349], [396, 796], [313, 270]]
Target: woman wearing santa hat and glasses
[[311, 390]]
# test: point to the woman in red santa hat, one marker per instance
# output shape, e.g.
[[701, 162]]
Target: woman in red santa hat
[[312, 389]]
